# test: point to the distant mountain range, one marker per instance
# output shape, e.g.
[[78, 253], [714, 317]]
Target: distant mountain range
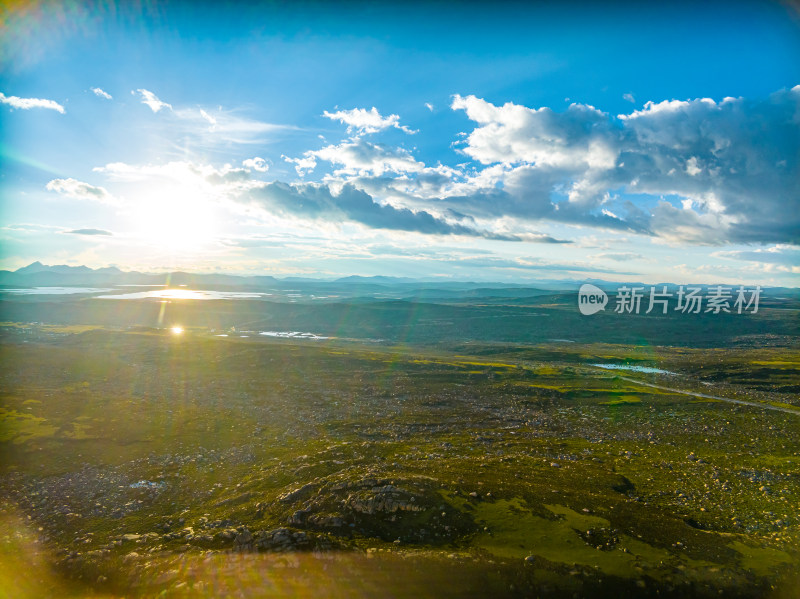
[[42, 275], [37, 266]]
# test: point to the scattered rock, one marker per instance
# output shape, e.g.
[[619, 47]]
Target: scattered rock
[[298, 494], [244, 537], [130, 537]]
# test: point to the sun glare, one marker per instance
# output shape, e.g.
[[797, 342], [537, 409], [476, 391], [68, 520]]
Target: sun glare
[[177, 219], [179, 294], [177, 330]]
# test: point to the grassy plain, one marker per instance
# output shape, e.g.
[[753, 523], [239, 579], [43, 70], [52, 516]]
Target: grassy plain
[[140, 462]]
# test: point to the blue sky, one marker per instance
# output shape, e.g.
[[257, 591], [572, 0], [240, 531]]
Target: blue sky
[[503, 142]]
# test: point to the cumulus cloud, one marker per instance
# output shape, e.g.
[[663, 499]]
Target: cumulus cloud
[[526, 193], [719, 171], [581, 137], [256, 164], [360, 157], [302, 165], [152, 101], [88, 232], [361, 121], [28, 103], [317, 201], [79, 190], [736, 160], [101, 94]]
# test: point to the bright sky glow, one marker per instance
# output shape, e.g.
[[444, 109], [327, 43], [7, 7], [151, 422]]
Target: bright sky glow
[[652, 143]]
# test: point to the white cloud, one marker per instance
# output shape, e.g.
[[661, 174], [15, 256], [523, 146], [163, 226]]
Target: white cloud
[[28, 103], [242, 130], [208, 128], [256, 164], [310, 202], [679, 226], [781, 254], [514, 134], [681, 172], [725, 162], [691, 167], [211, 120], [359, 157], [89, 232], [32, 228], [530, 263], [693, 171], [178, 171], [79, 190], [152, 101], [100, 93], [666, 107], [361, 121], [128, 172], [618, 256], [429, 106], [304, 202], [304, 164]]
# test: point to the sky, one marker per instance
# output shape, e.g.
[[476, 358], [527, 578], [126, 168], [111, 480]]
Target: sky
[[648, 142]]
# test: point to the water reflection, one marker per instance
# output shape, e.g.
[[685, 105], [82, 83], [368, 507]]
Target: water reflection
[[55, 290], [634, 368], [292, 335], [186, 294]]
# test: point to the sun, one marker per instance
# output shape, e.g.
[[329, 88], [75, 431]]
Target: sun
[[176, 330]]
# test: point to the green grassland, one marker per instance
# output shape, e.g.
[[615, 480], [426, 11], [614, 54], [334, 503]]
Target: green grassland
[[145, 463]]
